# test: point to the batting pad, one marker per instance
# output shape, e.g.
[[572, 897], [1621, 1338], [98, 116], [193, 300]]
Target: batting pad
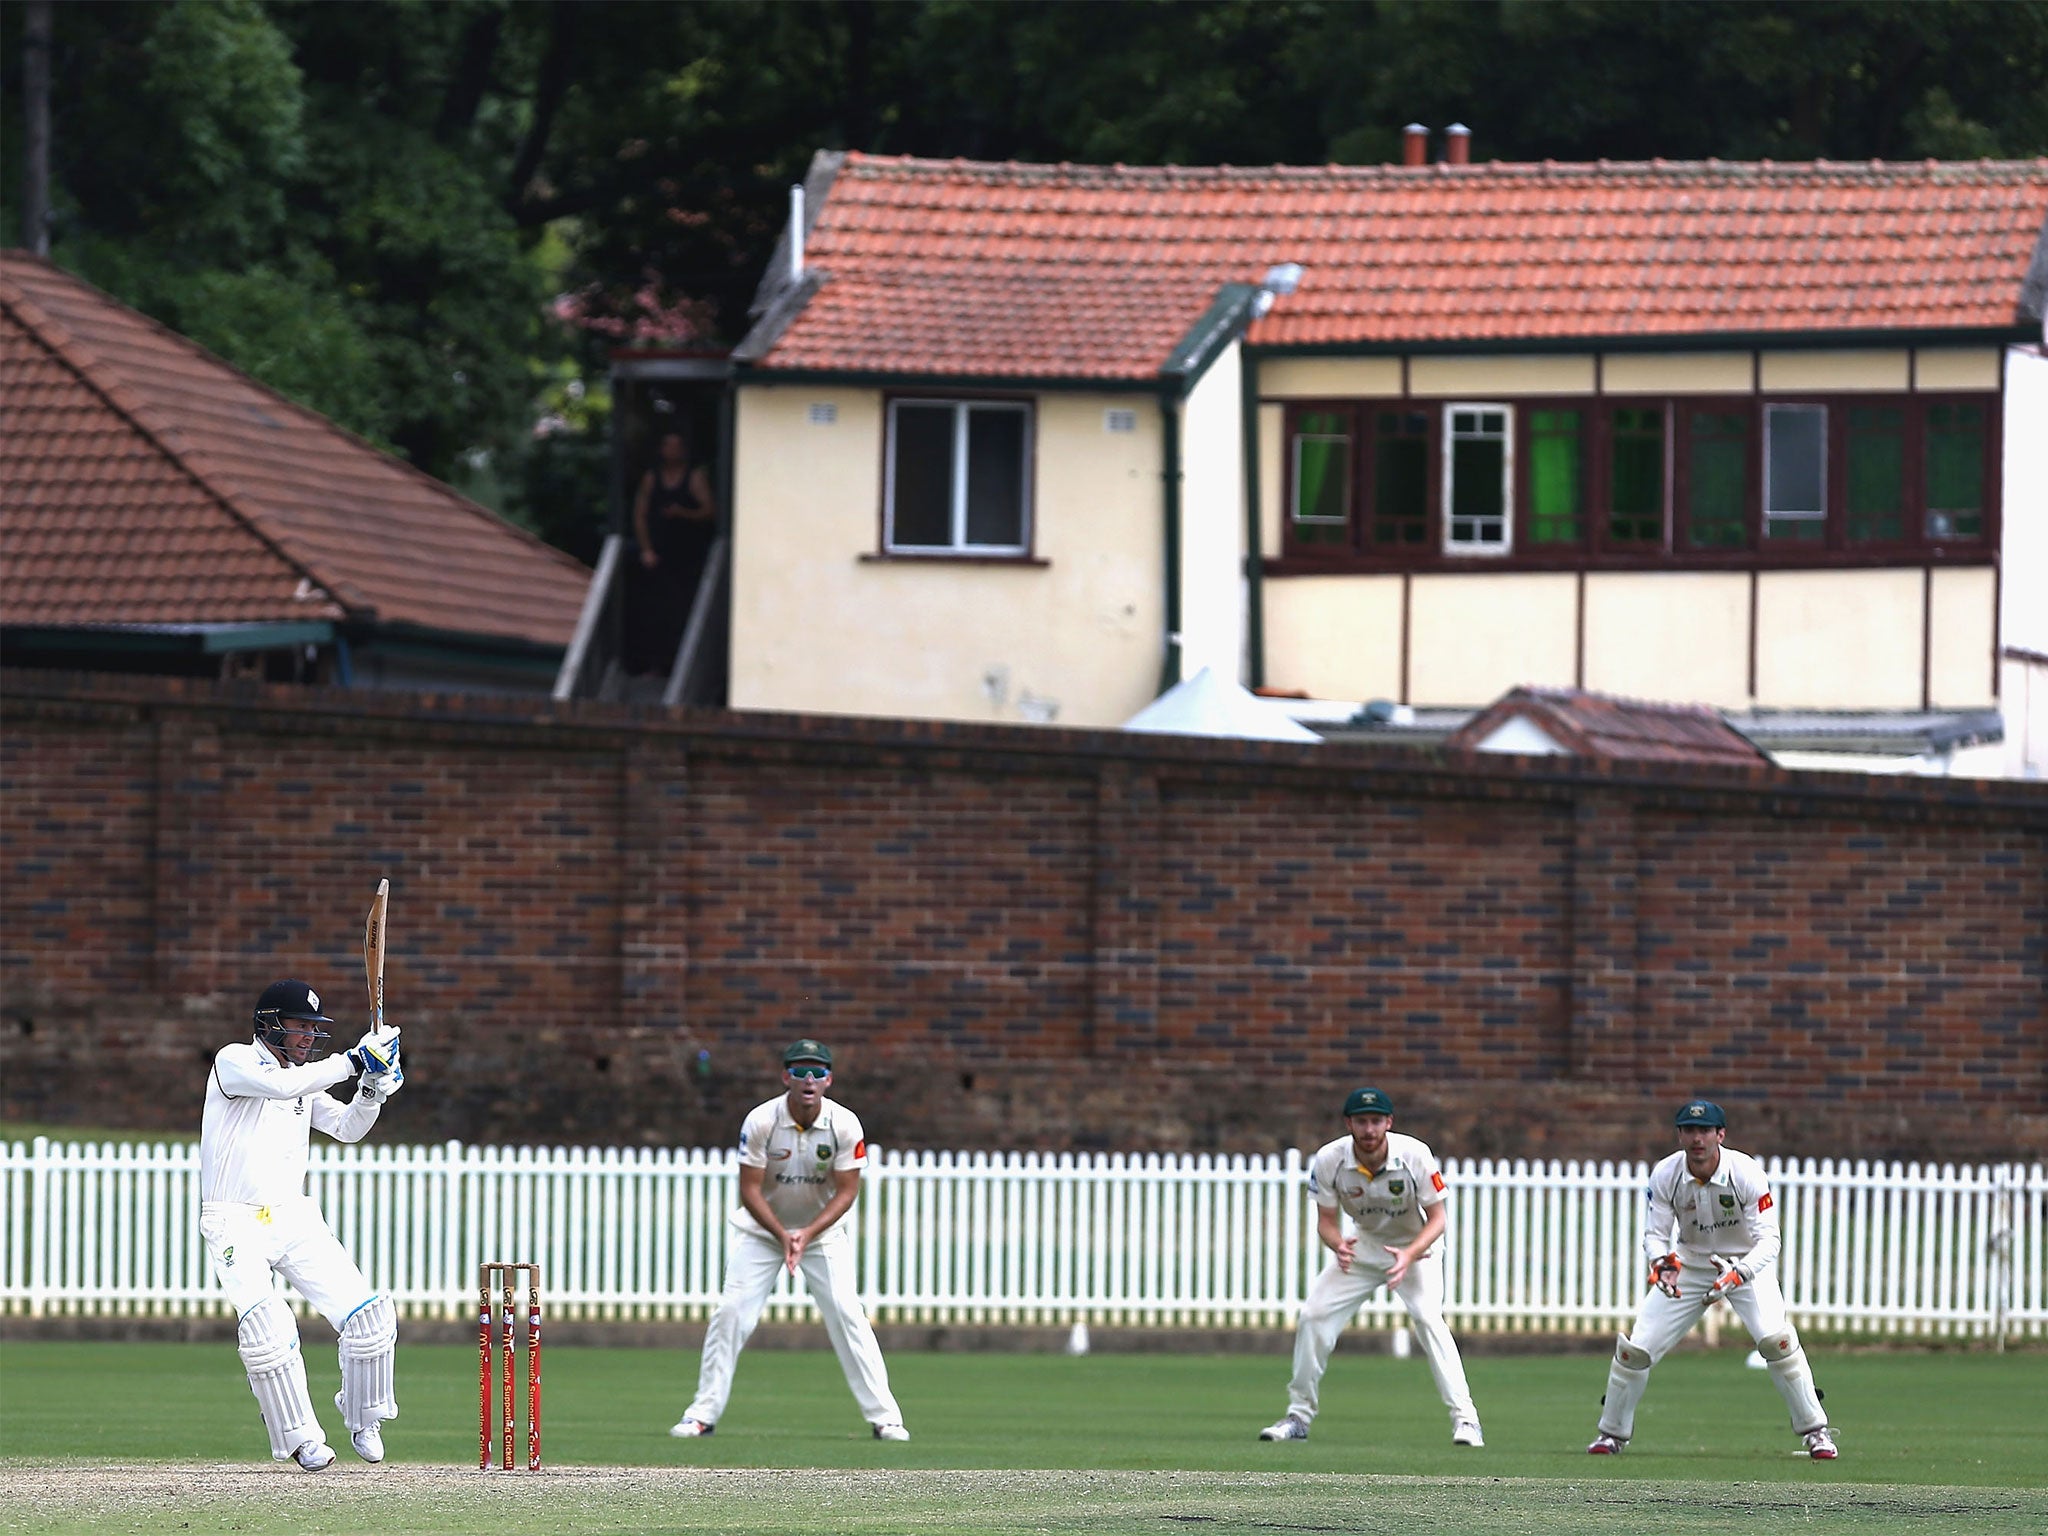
[[1786, 1358], [268, 1338], [369, 1338]]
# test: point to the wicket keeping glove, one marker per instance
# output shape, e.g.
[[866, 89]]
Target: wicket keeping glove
[[377, 1051], [1731, 1277], [1664, 1275]]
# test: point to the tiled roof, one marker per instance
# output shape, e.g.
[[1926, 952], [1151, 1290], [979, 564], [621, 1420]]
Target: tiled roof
[[1592, 725], [144, 481], [958, 267]]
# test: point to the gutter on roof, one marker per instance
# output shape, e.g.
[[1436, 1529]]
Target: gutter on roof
[[1690, 341], [882, 378], [206, 639]]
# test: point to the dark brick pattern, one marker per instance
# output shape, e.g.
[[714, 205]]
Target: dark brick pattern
[[606, 921]]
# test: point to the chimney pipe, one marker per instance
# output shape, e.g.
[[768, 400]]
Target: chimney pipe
[[1415, 145], [1457, 145]]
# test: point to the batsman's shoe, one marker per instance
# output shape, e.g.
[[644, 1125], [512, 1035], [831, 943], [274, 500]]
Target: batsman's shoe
[[369, 1443], [1820, 1445], [1604, 1445], [687, 1428], [314, 1456], [891, 1432], [1289, 1428], [1466, 1432]]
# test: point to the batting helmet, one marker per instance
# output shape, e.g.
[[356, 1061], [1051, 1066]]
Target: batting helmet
[[293, 1000]]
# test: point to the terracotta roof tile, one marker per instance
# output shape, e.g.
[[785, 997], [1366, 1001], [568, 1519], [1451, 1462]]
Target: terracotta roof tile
[[1597, 726], [962, 267], [144, 481]]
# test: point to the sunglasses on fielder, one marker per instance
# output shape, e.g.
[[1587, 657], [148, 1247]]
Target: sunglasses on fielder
[[809, 1070]]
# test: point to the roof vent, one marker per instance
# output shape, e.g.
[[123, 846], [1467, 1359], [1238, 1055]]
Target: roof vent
[[1415, 145], [1457, 145]]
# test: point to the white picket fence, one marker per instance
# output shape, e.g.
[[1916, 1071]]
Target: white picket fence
[[1188, 1241]]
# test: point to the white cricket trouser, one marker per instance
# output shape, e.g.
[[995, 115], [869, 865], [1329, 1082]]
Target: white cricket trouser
[[247, 1242], [828, 1271], [1335, 1296], [1661, 1321]]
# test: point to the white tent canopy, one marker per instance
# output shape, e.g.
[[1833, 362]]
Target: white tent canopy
[[1206, 705]]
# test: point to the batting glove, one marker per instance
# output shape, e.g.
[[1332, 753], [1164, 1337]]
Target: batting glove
[[1664, 1275], [379, 1086], [377, 1051]]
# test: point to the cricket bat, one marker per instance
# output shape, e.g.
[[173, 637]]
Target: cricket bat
[[373, 952]]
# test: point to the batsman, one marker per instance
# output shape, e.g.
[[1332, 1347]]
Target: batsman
[[1712, 1237], [264, 1098]]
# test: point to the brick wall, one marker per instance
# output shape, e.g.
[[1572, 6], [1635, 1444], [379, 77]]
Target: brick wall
[[605, 923]]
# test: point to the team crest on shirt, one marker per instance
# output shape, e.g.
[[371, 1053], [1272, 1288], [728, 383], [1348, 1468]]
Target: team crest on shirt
[[825, 1154], [227, 1256], [1395, 1186], [1727, 1202]]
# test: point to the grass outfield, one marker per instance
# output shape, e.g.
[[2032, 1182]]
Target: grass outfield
[[105, 1436]]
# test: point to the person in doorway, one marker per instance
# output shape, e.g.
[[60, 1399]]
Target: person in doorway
[[264, 1097], [1391, 1188], [801, 1156], [1712, 1237], [675, 523]]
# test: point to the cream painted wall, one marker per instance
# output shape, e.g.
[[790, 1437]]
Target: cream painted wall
[[1676, 373], [1838, 639], [2023, 701], [1962, 635], [815, 627], [1956, 368], [1471, 638], [1329, 378], [1487, 378], [1334, 637], [1814, 371], [1679, 637], [1212, 597]]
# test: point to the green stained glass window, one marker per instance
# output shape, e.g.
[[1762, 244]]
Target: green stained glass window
[[1874, 481], [1955, 471], [1717, 465], [1635, 492], [1322, 478], [1556, 491]]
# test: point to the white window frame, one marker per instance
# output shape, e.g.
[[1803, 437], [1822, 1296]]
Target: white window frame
[[1505, 545], [1350, 442], [962, 412], [1771, 410]]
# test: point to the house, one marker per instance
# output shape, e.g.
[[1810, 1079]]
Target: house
[[1037, 442], [161, 512], [1570, 722]]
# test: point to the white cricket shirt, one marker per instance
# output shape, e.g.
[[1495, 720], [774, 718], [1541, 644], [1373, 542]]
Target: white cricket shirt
[[259, 1114], [799, 1160], [1731, 1214], [1387, 1206]]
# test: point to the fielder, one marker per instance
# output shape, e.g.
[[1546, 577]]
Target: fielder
[[800, 1160], [263, 1099], [1390, 1187], [1707, 1202]]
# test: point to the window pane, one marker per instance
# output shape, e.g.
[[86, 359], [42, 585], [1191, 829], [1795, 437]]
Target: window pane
[[1400, 482], [1795, 469], [1875, 475], [995, 478], [923, 511], [1635, 506], [1554, 475], [1322, 479], [1955, 472], [1719, 458]]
